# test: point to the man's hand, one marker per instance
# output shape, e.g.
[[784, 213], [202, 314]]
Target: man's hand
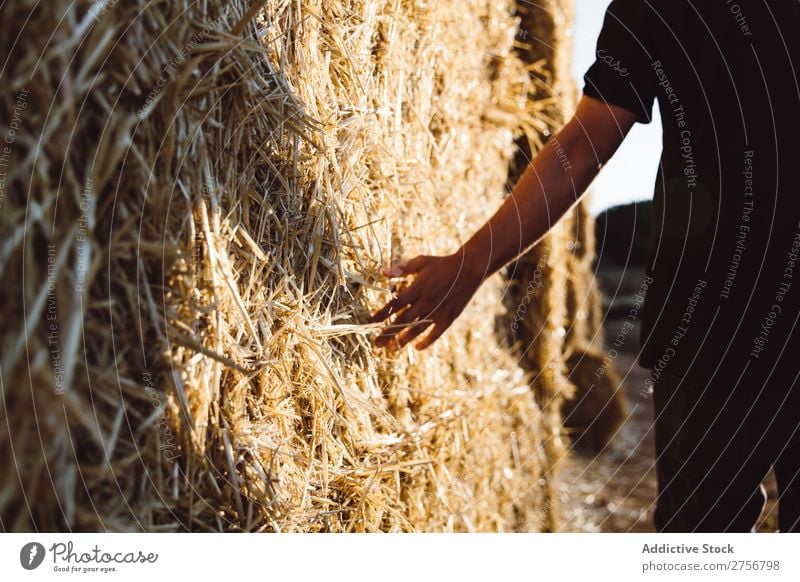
[[553, 182], [441, 289]]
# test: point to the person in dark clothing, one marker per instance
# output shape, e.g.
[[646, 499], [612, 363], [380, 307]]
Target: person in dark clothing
[[719, 320]]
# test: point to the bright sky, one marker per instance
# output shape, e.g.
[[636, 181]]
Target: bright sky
[[631, 173]]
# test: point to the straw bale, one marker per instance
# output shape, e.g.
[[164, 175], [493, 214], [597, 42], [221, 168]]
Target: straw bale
[[198, 201], [584, 300], [598, 409], [540, 279]]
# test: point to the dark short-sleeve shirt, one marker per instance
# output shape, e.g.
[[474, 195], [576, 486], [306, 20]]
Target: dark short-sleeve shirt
[[723, 265]]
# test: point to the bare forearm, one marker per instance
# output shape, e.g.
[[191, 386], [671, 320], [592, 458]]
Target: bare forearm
[[551, 185], [555, 180]]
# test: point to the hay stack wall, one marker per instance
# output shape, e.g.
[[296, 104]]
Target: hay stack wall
[[560, 338], [197, 201]]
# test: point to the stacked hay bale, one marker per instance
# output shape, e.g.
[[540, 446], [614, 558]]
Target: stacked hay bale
[[561, 340], [584, 300], [558, 332], [597, 409], [539, 280], [198, 199]]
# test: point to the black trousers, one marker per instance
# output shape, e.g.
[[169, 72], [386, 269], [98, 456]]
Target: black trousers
[[715, 443]]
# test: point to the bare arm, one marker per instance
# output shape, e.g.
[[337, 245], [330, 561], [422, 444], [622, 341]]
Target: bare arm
[[550, 186]]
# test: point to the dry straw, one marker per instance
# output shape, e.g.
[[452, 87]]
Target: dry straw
[[199, 197]]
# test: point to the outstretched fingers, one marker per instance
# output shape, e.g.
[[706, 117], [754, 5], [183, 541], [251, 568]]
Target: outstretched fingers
[[412, 331], [403, 299], [402, 321], [412, 307], [438, 329]]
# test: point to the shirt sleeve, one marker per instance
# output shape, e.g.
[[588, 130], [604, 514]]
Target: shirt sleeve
[[621, 74]]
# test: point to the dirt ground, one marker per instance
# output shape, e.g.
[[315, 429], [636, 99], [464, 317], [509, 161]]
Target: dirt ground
[[615, 490]]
